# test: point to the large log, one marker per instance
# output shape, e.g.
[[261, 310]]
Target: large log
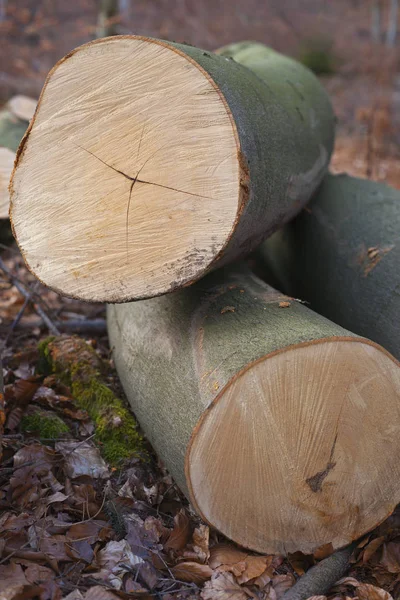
[[148, 163], [14, 120], [342, 254], [280, 426]]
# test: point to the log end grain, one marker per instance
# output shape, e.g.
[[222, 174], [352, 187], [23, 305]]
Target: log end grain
[[300, 449], [130, 179]]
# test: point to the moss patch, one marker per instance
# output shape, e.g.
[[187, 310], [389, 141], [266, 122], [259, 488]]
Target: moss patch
[[79, 367], [44, 424]]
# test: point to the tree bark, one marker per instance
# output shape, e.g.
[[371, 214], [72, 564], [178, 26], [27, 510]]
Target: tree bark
[[267, 415], [343, 257], [158, 138], [392, 23], [106, 23], [376, 10], [14, 120], [320, 578]]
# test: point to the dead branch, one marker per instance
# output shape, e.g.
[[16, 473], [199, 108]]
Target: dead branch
[[319, 579]]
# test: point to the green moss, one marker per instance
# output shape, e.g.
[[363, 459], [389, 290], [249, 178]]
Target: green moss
[[79, 367], [116, 428], [318, 56], [46, 425]]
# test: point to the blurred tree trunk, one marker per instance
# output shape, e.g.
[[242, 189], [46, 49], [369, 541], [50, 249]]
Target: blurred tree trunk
[[392, 23], [376, 20], [107, 19]]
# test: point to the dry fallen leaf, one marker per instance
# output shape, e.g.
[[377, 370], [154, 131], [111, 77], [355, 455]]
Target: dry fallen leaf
[[223, 587], [366, 591], [115, 560], [11, 575], [226, 554], [192, 572], [81, 458], [98, 592], [243, 565], [201, 540], [21, 592], [281, 583], [391, 556], [180, 535]]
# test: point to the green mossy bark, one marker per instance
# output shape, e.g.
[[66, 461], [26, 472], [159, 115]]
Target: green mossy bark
[[342, 255], [80, 368], [12, 130], [46, 425]]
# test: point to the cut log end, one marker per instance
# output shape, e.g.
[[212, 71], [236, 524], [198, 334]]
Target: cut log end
[[302, 445], [141, 185]]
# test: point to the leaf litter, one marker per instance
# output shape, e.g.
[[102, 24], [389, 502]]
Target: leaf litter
[[75, 525]]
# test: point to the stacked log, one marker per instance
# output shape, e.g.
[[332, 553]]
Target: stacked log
[[150, 163], [281, 427], [148, 167], [14, 120], [342, 255]]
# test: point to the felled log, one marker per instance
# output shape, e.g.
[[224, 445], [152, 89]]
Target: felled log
[[14, 120], [281, 427], [342, 255], [148, 163]]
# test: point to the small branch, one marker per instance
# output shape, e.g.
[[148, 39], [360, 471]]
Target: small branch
[[97, 326], [319, 579], [27, 294]]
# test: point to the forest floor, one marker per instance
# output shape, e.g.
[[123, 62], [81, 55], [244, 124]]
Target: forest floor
[[71, 523]]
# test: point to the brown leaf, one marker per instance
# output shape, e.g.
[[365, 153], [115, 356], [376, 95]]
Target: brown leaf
[[225, 554], [180, 535], [89, 531], [75, 595], [21, 592], [391, 557], [243, 565], [201, 540], [11, 575], [82, 459], [281, 583], [255, 567], [24, 391], [148, 574], [98, 592], [264, 579], [323, 551], [192, 572], [372, 547], [300, 562], [54, 547], [366, 591], [34, 572], [223, 587]]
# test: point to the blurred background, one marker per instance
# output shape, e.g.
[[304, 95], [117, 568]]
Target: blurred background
[[352, 45]]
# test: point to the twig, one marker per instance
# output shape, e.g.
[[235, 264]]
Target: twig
[[28, 295], [319, 579], [97, 326]]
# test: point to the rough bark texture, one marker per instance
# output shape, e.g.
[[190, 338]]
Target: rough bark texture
[[319, 579], [342, 255]]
